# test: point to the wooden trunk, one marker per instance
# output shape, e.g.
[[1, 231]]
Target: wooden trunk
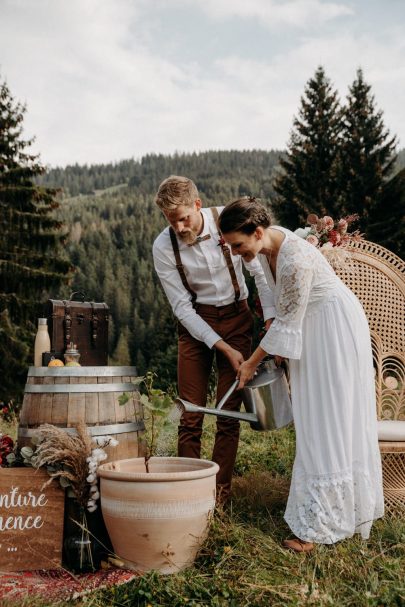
[[67, 396], [82, 322]]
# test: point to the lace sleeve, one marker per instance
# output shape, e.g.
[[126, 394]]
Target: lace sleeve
[[294, 285]]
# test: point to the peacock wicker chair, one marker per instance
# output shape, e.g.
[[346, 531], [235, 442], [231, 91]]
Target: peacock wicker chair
[[377, 277]]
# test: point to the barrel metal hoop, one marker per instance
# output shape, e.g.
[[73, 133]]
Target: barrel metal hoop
[[82, 371], [78, 388], [92, 430]]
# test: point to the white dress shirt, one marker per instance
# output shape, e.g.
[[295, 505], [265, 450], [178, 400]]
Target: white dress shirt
[[208, 275]]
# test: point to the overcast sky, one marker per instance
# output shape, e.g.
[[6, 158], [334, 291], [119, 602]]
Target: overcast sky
[[106, 80]]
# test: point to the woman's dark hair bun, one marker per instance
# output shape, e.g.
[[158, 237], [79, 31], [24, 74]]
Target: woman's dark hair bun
[[244, 215]]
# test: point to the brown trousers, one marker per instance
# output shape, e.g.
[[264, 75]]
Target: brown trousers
[[234, 324]]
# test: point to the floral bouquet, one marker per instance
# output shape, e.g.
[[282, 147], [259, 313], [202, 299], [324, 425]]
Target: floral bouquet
[[331, 236], [6, 449], [73, 459]]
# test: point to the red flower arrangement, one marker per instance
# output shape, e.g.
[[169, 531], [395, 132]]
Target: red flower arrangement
[[326, 232], [331, 236], [6, 447]]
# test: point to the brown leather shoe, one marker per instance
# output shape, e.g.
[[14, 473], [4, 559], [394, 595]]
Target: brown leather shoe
[[298, 545]]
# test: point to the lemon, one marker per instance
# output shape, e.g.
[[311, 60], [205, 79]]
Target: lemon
[[55, 362], [73, 363]]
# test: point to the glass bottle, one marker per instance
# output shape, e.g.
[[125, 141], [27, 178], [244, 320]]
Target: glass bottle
[[72, 355], [80, 553], [42, 342]]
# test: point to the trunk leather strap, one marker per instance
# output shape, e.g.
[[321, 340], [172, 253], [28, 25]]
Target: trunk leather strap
[[67, 324]]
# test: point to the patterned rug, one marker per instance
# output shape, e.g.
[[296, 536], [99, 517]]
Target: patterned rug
[[58, 585]]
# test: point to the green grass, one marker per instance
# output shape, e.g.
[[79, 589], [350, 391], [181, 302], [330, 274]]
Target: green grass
[[242, 563]]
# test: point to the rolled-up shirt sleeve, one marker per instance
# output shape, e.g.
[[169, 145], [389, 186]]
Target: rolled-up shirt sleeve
[[180, 299], [284, 337], [265, 293]]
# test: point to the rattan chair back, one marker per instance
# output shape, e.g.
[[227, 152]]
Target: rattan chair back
[[377, 277]]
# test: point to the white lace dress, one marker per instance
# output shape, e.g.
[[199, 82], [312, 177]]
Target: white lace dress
[[336, 487]]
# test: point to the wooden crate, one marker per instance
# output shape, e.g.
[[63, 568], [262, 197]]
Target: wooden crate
[[31, 520]]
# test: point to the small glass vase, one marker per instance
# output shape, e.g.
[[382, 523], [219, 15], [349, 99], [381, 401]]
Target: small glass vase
[[80, 555]]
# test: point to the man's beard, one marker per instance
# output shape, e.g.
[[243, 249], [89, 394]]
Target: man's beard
[[188, 237]]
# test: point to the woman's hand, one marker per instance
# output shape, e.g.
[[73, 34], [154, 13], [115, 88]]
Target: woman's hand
[[245, 373], [278, 360], [267, 324]]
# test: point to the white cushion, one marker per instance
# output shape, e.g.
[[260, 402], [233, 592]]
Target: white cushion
[[391, 430]]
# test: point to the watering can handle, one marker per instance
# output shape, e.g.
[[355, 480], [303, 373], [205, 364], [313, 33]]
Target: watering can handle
[[227, 394]]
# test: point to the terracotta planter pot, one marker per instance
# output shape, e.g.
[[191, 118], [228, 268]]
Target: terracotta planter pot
[[158, 520]]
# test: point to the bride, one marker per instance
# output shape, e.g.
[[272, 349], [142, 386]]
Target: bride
[[320, 326]]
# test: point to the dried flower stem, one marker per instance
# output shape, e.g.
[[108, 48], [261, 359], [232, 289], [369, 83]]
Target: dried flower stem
[[69, 453]]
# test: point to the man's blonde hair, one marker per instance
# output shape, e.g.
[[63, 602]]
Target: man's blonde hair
[[176, 191]]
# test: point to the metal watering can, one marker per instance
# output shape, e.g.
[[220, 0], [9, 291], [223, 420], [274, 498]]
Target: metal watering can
[[266, 399]]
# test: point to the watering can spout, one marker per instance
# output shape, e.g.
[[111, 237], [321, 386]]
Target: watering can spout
[[186, 406], [266, 399]]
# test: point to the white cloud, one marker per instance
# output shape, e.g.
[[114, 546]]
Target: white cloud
[[98, 89], [273, 13], [277, 86]]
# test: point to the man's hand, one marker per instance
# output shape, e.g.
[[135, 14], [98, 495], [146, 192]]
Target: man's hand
[[234, 356], [246, 372]]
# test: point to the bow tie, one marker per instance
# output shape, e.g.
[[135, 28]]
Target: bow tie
[[199, 239]]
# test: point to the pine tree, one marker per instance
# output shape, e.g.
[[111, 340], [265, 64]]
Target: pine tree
[[368, 153], [30, 238], [308, 182], [387, 217]]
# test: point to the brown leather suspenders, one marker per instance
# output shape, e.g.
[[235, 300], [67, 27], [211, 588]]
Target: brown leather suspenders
[[180, 267], [227, 254], [225, 251]]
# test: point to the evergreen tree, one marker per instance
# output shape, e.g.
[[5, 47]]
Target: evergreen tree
[[368, 153], [387, 217], [308, 181], [30, 237]]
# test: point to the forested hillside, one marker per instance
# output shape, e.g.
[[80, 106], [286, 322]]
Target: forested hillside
[[111, 236], [214, 172], [83, 179]]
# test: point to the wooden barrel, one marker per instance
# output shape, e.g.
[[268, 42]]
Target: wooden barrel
[[67, 396]]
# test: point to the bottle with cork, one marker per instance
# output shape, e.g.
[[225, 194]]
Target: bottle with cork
[[42, 342]]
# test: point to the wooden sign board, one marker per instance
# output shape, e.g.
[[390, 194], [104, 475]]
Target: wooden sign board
[[31, 520]]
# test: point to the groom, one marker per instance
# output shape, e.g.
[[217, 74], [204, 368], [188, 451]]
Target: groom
[[206, 289]]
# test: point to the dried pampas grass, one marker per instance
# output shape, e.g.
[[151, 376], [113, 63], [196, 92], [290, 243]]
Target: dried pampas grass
[[67, 454], [339, 258]]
